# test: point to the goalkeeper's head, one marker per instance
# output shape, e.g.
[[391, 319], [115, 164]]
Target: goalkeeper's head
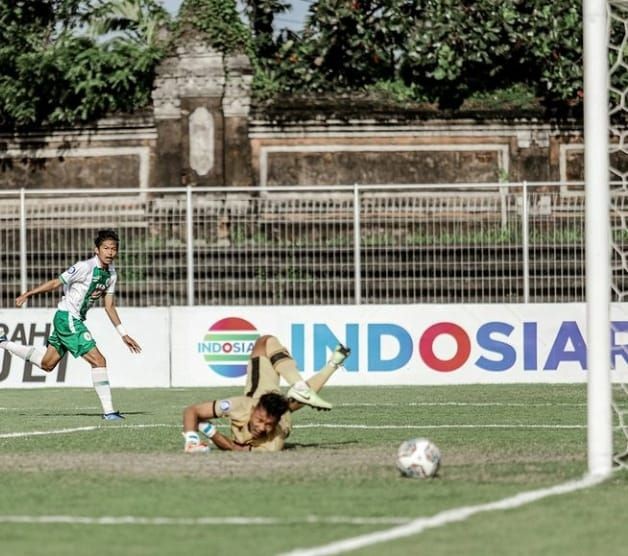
[[267, 413]]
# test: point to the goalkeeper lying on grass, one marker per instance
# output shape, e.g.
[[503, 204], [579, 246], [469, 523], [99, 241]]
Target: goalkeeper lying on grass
[[260, 420]]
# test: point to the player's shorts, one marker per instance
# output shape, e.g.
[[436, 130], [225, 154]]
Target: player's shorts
[[261, 377], [70, 334]]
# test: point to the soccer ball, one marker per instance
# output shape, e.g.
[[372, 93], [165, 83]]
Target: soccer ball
[[418, 458]]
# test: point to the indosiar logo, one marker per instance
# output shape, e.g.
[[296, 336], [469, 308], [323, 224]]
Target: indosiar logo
[[446, 347], [227, 345]]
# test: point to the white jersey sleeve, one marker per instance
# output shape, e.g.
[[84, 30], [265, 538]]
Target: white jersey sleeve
[[114, 278], [78, 272]]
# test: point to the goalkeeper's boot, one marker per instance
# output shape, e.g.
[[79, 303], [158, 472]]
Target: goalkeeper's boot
[[113, 416], [340, 354], [302, 393]]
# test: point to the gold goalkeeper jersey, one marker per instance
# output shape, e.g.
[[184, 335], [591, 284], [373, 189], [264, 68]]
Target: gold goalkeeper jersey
[[238, 410]]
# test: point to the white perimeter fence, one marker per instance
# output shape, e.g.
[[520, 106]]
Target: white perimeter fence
[[476, 243]]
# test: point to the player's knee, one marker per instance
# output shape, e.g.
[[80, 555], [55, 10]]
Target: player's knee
[[259, 347], [274, 346], [261, 341], [48, 366], [99, 362], [49, 361]]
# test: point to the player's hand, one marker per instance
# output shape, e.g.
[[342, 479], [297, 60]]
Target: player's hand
[[19, 301], [131, 344]]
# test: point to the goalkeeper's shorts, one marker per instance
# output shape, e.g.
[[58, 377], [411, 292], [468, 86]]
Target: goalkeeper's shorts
[[261, 377]]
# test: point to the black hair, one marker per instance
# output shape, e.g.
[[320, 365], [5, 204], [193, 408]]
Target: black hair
[[274, 403], [104, 235]]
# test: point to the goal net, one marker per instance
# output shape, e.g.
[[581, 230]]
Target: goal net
[[618, 201]]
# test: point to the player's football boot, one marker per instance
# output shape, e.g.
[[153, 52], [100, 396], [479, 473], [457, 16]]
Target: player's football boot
[[340, 354], [307, 396], [113, 416], [196, 448]]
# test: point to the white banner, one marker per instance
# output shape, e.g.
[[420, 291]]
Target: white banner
[[397, 344], [390, 344], [149, 327]]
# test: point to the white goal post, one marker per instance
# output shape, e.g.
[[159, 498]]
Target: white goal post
[[598, 240]]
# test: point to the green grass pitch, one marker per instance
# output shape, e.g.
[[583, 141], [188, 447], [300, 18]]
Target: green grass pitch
[[336, 480]]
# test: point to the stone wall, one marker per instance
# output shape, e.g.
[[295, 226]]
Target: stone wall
[[117, 152], [371, 151], [202, 131], [201, 105]]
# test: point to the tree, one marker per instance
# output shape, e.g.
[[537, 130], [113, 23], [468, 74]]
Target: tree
[[217, 22], [345, 45], [441, 50], [135, 21], [458, 48], [54, 70], [261, 14]]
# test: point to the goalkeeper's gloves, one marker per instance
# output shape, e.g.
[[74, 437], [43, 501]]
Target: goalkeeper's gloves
[[193, 444]]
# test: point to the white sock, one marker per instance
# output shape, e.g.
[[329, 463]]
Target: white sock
[[100, 379], [31, 354]]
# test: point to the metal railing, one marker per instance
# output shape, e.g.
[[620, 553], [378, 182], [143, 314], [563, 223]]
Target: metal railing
[[488, 243]]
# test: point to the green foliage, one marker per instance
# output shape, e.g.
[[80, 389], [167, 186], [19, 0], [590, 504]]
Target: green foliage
[[70, 61], [444, 51], [261, 15], [218, 22], [554, 39], [57, 67], [346, 45], [138, 21], [458, 49], [266, 84], [397, 91], [518, 96]]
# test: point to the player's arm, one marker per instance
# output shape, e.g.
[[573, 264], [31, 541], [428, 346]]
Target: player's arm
[[112, 313], [274, 445], [202, 412], [225, 443], [48, 286], [194, 414]]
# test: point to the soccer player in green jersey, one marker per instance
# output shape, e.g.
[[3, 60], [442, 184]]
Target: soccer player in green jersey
[[83, 284]]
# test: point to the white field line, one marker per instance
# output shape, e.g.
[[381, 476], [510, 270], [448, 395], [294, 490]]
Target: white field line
[[460, 426], [379, 404], [444, 518], [304, 426], [136, 520], [39, 433], [83, 429], [461, 404], [87, 408]]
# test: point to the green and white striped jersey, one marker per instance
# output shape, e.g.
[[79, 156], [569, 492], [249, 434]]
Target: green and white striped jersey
[[83, 284]]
